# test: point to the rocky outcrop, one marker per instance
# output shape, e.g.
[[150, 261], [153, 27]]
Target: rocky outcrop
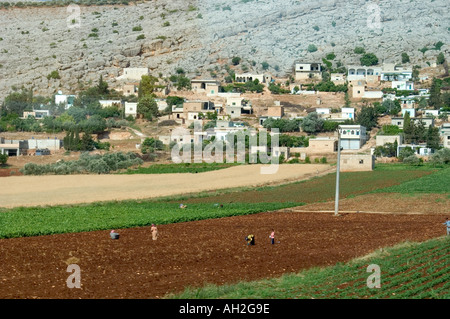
[[200, 35]]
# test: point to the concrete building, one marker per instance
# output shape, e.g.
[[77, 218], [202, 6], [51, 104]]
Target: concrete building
[[10, 147], [359, 91], [322, 145], [348, 113], [391, 72], [245, 77], [208, 86], [411, 111], [134, 74], [444, 132], [381, 140], [370, 74], [323, 110], [357, 162], [276, 111], [307, 70], [338, 78], [131, 109], [130, 89], [37, 114], [403, 85], [64, 99], [353, 137], [427, 121]]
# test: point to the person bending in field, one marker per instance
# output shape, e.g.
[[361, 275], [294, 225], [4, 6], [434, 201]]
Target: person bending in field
[[182, 206], [447, 223], [250, 239], [154, 231], [114, 235]]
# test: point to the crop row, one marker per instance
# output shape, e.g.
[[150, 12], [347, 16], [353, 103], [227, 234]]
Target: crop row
[[22, 222]]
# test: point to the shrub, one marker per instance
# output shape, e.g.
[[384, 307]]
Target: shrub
[[53, 75], [307, 160], [236, 60], [413, 160], [137, 28], [441, 157], [359, 50], [312, 48], [369, 59], [140, 37], [3, 159]]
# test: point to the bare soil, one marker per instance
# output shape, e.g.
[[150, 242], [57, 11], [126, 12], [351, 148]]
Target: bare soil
[[388, 202], [196, 253], [72, 189]]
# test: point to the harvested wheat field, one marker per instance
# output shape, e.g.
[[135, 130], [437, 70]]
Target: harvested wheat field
[[73, 189], [195, 253]]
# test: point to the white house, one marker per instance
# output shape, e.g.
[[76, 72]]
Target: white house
[[403, 85], [369, 74], [353, 137], [323, 110], [348, 113], [444, 132], [66, 100], [131, 109], [411, 111], [391, 72]]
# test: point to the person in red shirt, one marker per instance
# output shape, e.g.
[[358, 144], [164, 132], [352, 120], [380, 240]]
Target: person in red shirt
[[272, 237], [154, 231]]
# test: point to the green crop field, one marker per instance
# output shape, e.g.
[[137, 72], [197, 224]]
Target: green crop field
[[439, 182], [319, 188], [179, 168], [35, 221], [407, 271]]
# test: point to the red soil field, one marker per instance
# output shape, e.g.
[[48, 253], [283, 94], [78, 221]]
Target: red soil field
[[195, 253]]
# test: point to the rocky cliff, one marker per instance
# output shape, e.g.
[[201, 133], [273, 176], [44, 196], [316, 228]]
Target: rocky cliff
[[199, 36]]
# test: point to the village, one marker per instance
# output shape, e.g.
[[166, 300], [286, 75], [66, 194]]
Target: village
[[308, 114]]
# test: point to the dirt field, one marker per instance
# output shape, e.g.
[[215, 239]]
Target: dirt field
[[194, 253], [28, 190], [388, 202]]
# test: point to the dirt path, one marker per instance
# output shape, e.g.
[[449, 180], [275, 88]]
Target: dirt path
[[194, 253], [72, 189]]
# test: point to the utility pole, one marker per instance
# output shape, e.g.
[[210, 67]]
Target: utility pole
[[336, 203]]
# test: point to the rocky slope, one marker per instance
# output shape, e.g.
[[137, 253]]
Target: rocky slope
[[200, 36]]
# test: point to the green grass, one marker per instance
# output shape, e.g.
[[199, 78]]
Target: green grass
[[408, 270], [36, 221], [179, 168], [317, 189], [439, 183]]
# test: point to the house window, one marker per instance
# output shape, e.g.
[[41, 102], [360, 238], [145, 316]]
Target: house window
[[361, 161]]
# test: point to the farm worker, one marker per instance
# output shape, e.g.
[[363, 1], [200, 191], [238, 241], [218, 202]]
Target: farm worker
[[182, 206], [250, 240], [114, 235], [447, 223], [272, 237], [154, 231]]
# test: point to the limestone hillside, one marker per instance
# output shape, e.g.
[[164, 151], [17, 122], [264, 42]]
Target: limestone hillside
[[202, 36]]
